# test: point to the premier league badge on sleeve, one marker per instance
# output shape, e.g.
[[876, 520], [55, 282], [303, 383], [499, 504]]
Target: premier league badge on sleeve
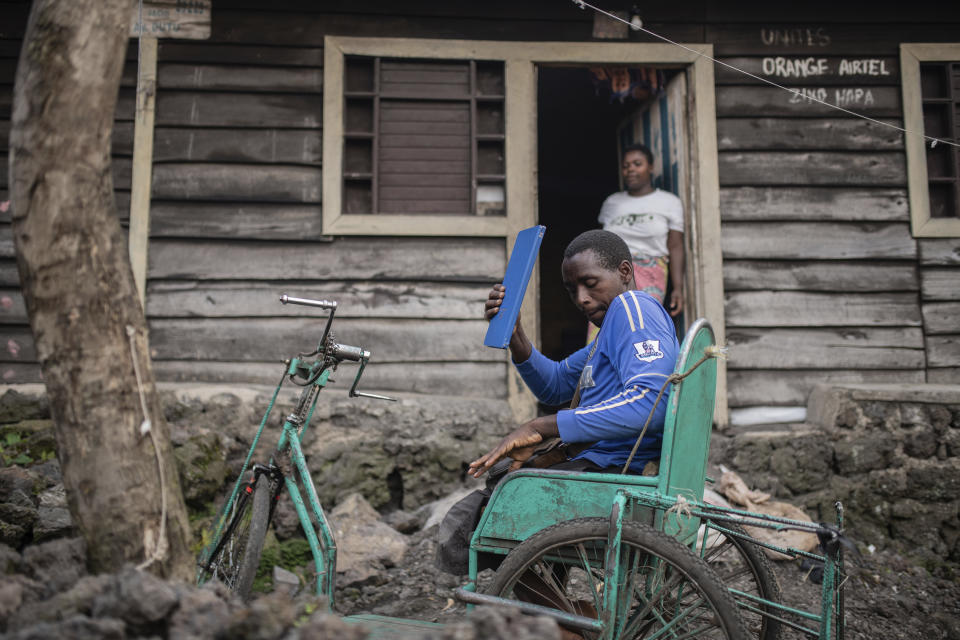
[[648, 350], [586, 377]]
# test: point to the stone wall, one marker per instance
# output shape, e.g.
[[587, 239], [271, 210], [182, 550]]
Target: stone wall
[[889, 453], [398, 455]]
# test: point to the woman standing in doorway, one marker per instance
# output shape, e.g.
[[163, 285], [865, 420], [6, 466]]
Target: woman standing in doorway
[[651, 223]]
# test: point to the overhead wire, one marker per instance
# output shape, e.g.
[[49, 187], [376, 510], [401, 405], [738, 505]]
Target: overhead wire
[[933, 141]]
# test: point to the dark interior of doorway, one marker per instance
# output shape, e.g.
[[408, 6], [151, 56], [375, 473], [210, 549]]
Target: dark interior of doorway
[[577, 168]]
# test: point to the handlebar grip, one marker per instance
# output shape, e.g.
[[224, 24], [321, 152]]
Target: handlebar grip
[[348, 352], [323, 304]]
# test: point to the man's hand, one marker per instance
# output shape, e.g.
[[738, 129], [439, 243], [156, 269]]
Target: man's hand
[[519, 445], [494, 300], [520, 346]]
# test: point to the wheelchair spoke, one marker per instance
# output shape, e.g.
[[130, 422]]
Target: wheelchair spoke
[[596, 585]]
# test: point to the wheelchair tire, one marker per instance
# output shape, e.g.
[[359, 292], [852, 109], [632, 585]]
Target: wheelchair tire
[[665, 587]]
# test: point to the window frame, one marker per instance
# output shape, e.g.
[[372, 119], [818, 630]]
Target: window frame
[[398, 84], [335, 222], [912, 55]]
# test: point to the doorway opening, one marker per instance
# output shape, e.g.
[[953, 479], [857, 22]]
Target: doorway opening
[[582, 124]]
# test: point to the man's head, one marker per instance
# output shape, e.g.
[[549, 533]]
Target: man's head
[[637, 167], [596, 269]]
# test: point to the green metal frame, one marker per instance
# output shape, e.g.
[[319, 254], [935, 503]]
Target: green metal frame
[[670, 501], [321, 541], [831, 616], [323, 547], [530, 500]]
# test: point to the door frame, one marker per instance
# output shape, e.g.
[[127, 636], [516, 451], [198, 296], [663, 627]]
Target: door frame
[[704, 264]]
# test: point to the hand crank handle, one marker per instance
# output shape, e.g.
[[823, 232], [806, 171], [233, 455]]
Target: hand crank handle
[[353, 389]]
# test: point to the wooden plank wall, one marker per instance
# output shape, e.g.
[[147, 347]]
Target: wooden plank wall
[[823, 279], [236, 208], [17, 353], [940, 296], [821, 273], [236, 222], [236, 219]]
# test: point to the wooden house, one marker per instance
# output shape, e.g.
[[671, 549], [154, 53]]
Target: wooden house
[[384, 154]]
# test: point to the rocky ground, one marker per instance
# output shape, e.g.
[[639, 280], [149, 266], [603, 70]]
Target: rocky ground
[[887, 596], [46, 592], [901, 590], [40, 603]]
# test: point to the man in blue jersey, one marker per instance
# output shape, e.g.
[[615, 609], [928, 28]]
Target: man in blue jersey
[[616, 377]]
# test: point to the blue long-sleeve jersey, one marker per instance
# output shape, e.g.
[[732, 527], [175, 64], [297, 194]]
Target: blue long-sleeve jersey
[[636, 350]]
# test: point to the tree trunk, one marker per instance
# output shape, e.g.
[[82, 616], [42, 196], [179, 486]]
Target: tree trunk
[[79, 289]]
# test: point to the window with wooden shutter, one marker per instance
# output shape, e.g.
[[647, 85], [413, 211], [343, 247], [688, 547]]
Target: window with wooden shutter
[[423, 137], [931, 106], [940, 97]]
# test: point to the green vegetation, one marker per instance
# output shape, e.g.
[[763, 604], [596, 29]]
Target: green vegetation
[[202, 521], [291, 555], [26, 448], [305, 612], [8, 450]]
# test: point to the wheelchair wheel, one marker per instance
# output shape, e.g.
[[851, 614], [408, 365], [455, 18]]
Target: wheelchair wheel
[[665, 590], [744, 567]]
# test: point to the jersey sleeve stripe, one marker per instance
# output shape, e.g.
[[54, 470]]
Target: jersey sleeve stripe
[[626, 309], [643, 375], [612, 398], [636, 303], [605, 407]]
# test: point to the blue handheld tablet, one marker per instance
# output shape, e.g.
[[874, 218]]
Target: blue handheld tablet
[[519, 270]]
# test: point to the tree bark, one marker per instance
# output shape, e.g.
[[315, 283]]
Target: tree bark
[[79, 289]]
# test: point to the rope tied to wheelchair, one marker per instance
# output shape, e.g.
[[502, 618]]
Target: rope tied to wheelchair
[[683, 508], [712, 351]]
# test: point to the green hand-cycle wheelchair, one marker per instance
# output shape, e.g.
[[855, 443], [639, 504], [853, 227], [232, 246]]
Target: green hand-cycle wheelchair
[[607, 555]]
